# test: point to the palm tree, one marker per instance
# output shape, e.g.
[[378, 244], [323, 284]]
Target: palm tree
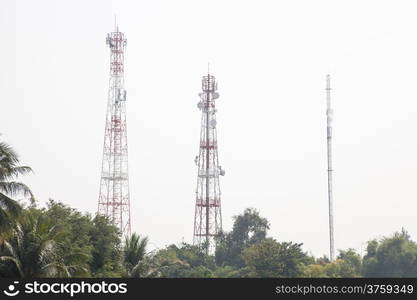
[[134, 251], [157, 265], [9, 171], [36, 249]]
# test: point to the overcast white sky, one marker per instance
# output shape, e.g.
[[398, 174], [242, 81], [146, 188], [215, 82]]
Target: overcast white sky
[[270, 58]]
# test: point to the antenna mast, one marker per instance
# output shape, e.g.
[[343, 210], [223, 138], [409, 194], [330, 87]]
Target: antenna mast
[[114, 197], [208, 218], [329, 114]]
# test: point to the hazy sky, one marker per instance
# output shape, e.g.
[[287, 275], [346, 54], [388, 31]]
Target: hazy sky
[[270, 58]]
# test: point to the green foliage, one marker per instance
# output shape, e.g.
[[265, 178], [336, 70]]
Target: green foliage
[[347, 265], [59, 241], [185, 261], [163, 264], [193, 255], [106, 248], [134, 250], [394, 256], [248, 229], [75, 239], [350, 263], [37, 249], [10, 170], [199, 272], [269, 258], [226, 272]]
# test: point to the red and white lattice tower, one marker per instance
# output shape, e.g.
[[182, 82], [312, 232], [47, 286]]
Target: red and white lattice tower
[[208, 216], [114, 197]]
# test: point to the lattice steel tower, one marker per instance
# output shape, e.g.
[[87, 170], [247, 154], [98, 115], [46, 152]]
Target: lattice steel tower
[[208, 216], [114, 199]]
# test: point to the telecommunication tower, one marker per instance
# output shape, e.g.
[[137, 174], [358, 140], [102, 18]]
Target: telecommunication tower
[[208, 216], [114, 198], [329, 114]]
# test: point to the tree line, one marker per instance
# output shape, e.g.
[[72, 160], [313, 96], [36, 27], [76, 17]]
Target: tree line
[[60, 241]]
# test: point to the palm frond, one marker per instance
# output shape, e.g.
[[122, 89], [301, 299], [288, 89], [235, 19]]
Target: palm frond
[[16, 263], [11, 206], [55, 269], [7, 154], [11, 172], [6, 222], [13, 188], [9, 248], [47, 252], [134, 250]]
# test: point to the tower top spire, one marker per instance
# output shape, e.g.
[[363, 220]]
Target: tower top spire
[[116, 25]]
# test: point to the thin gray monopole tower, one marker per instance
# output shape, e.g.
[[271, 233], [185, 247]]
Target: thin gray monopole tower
[[329, 114]]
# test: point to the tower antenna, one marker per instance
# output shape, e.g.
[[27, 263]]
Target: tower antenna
[[208, 217], [329, 114], [114, 197]]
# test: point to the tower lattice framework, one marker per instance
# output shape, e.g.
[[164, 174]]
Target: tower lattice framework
[[208, 216], [114, 198]]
